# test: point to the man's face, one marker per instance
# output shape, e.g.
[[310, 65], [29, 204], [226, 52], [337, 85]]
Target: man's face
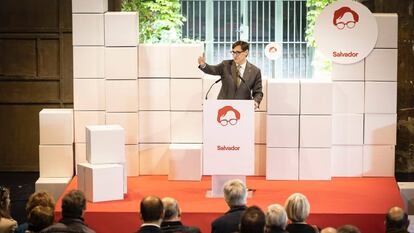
[[239, 56]]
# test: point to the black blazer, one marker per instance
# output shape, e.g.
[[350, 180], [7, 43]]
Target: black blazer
[[229, 222], [149, 229], [177, 226]]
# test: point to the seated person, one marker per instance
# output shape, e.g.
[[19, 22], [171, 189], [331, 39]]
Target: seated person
[[39, 218], [172, 218], [298, 208], [7, 223], [252, 220], [276, 219], [396, 221]]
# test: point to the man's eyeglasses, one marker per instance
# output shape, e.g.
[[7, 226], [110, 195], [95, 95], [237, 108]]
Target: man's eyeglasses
[[237, 53]]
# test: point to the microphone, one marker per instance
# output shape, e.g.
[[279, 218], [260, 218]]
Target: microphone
[[218, 80], [250, 90]]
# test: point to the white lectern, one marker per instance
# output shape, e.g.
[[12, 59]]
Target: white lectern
[[228, 141]]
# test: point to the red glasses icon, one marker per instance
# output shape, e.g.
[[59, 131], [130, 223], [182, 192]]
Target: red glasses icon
[[228, 115], [349, 24]]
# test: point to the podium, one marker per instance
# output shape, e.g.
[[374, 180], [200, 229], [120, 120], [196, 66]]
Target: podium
[[228, 141]]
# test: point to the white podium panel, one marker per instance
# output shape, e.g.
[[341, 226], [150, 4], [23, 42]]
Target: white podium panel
[[84, 118], [88, 29], [379, 160], [348, 72], [55, 161], [184, 60], [154, 94], [128, 121], [282, 131], [186, 94], [56, 126], [186, 127], [105, 144], [347, 161], [347, 129], [381, 65], [387, 30], [315, 163], [381, 97], [154, 61], [380, 129], [315, 131], [121, 29], [315, 97], [283, 97], [121, 63], [88, 61], [154, 127], [185, 162], [89, 94], [54, 186], [153, 159], [348, 97], [282, 164], [90, 6], [228, 136]]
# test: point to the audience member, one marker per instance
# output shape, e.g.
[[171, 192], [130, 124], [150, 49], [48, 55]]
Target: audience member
[[235, 195], [276, 219], [328, 230], [7, 223], [172, 218], [298, 208], [152, 212], [73, 209], [348, 229], [396, 221], [252, 220], [39, 218]]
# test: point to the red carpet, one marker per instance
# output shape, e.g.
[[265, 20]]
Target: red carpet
[[359, 201]]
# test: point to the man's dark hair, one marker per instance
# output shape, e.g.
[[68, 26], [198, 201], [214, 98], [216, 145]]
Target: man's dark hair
[[151, 209], [73, 204], [348, 229], [396, 219], [252, 221], [243, 44]]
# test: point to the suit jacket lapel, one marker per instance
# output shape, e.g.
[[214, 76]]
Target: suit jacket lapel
[[246, 74]]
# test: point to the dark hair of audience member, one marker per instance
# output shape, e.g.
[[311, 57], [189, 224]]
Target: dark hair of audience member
[[151, 208], [40, 217], [253, 220], [348, 229], [4, 202], [73, 204]]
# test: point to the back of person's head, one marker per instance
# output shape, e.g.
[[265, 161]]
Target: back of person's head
[[252, 220], [40, 198], [40, 217], [151, 209], [297, 207], [396, 218], [348, 229], [243, 44], [171, 208], [235, 193], [4, 202], [328, 230], [276, 217], [73, 204]]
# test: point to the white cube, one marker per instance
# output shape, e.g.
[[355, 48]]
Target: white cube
[[84, 118], [186, 127], [154, 61], [184, 60], [154, 94], [80, 154], [153, 159], [186, 94], [88, 29], [260, 128], [89, 94], [387, 30], [263, 103], [121, 96], [347, 161], [105, 144], [407, 195], [282, 164], [259, 160], [132, 160], [381, 65], [283, 96], [54, 186], [121, 63], [121, 29], [209, 81], [185, 162], [347, 129], [154, 127], [282, 131], [315, 131], [90, 6], [101, 182], [381, 97], [379, 160], [88, 62], [128, 121], [380, 129], [315, 163], [348, 72], [55, 161], [348, 97], [56, 126], [315, 97]]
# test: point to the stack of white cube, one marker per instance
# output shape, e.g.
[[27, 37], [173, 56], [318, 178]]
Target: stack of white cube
[[55, 150]]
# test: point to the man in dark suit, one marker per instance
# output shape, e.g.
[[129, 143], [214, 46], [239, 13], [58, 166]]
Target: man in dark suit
[[152, 212], [235, 195], [172, 218], [396, 221], [240, 79]]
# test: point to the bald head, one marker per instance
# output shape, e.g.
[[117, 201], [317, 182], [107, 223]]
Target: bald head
[[328, 230], [396, 218], [171, 209], [151, 209]]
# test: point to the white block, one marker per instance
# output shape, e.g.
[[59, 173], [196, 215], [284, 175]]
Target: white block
[[80, 154], [381, 65], [407, 195], [282, 164], [153, 159], [121, 29], [121, 63], [89, 94], [84, 118], [263, 104], [315, 131], [154, 94], [105, 144], [348, 72], [101, 182], [186, 127], [154, 61], [282, 131], [283, 96], [90, 6], [88, 29], [259, 160], [347, 161], [347, 129], [381, 97], [380, 129], [260, 127], [185, 162], [184, 60], [128, 121], [387, 30], [56, 126], [208, 81], [88, 61], [55, 161], [154, 126], [54, 186], [121, 96], [379, 160], [348, 97], [315, 97], [132, 160], [186, 94], [314, 163]]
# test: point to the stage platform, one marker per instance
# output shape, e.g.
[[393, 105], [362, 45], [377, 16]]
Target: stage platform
[[359, 201]]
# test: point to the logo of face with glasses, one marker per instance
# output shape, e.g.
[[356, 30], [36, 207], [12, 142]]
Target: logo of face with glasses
[[228, 115], [345, 18]]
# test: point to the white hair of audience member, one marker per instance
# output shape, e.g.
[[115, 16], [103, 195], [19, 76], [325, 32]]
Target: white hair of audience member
[[171, 208], [276, 216], [235, 193], [297, 207]]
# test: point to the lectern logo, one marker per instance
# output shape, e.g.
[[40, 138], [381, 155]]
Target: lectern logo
[[228, 115], [345, 17]]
